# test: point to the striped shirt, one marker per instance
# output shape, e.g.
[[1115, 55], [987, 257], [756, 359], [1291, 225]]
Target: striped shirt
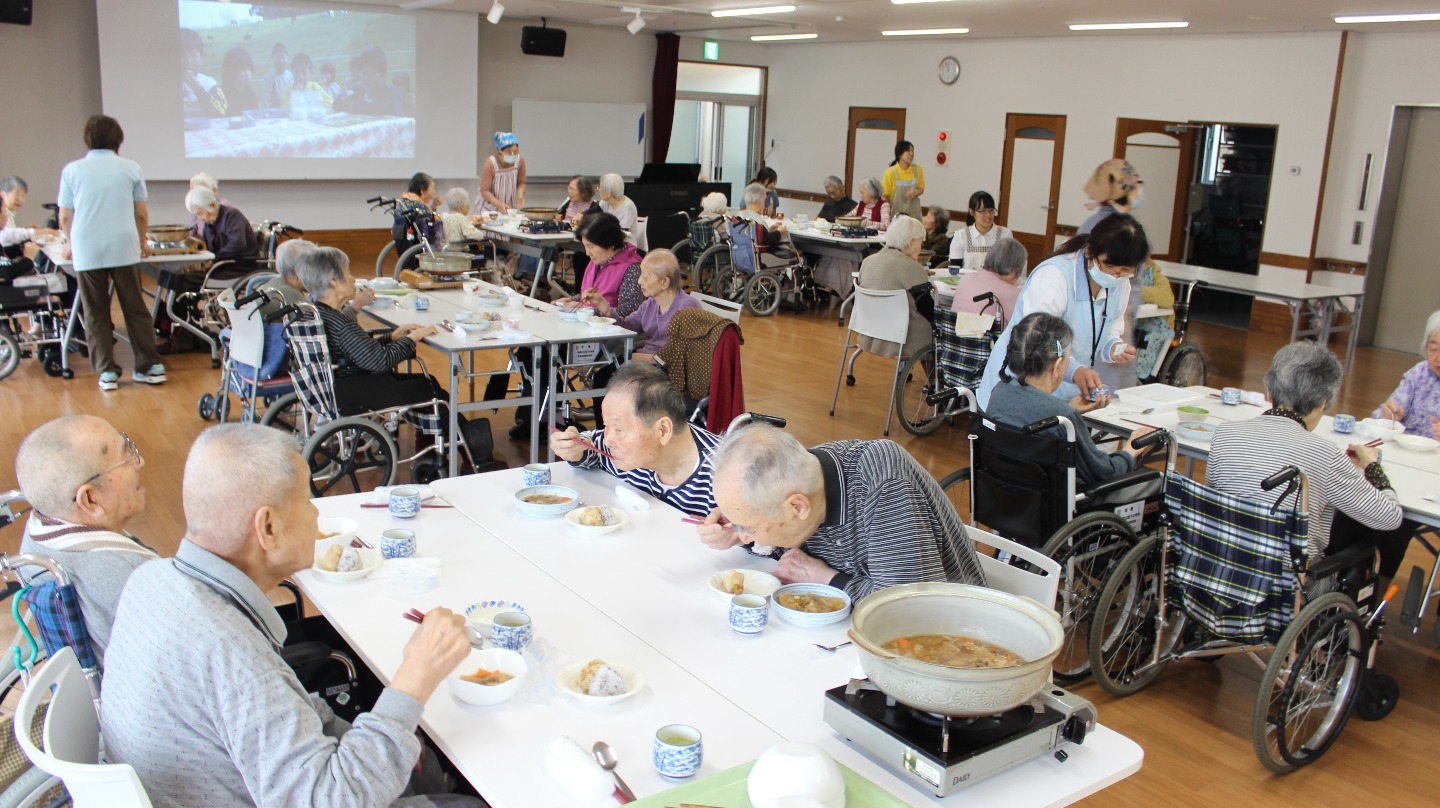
[[1244, 453], [355, 352], [886, 521], [695, 496]]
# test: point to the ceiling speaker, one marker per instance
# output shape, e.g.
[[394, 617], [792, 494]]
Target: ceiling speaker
[[15, 11], [540, 41]]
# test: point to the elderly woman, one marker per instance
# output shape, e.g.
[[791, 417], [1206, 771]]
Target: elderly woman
[[456, 219], [937, 234], [1035, 362], [613, 274], [660, 284], [580, 199], [769, 233], [502, 178], [898, 267], [224, 229], [980, 232], [1351, 499], [872, 208], [1001, 276], [13, 191], [712, 215], [1416, 402], [614, 201], [839, 203]]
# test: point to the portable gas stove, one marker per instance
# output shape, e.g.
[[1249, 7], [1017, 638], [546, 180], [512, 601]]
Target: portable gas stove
[[944, 754], [854, 232], [551, 226]]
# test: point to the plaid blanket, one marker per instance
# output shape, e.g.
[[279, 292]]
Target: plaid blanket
[[961, 359], [313, 377], [1233, 561], [57, 615]]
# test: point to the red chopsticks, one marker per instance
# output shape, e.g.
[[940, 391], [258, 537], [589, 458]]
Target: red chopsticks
[[1372, 444], [588, 445], [696, 520], [1141, 423], [414, 615]]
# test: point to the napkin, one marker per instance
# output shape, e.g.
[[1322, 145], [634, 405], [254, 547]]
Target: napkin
[[630, 499], [381, 494], [408, 570], [1253, 397], [576, 770], [969, 324], [511, 335]]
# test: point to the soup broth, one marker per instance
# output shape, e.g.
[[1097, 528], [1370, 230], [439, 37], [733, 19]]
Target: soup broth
[[954, 651]]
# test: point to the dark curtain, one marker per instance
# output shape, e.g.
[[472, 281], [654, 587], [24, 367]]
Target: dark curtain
[[662, 94]]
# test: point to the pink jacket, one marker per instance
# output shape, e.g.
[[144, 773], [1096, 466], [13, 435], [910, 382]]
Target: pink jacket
[[606, 279]]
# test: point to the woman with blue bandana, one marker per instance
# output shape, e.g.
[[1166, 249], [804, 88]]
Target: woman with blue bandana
[[502, 179]]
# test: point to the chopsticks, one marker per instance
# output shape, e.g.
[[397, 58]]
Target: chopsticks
[[1371, 444], [386, 505], [1141, 423], [695, 520], [414, 615], [358, 543], [588, 445]]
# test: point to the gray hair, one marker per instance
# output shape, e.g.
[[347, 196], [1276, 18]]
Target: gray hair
[[872, 185], [12, 183], [457, 200], [903, 230], [234, 470], [585, 186], [655, 395], [664, 264], [1007, 258], [612, 185], [1432, 326], [754, 193], [203, 180], [55, 459], [320, 267], [1035, 343], [833, 181], [714, 202], [287, 257], [942, 217], [1302, 376], [774, 464], [200, 199]]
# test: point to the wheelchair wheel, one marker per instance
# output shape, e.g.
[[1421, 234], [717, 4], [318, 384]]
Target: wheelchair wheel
[[348, 456], [762, 294], [707, 267], [729, 284], [9, 353], [406, 256], [1086, 549], [283, 413], [1125, 628], [1378, 696], [222, 408], [205, 407], [918, 416], [1185, 367], [956, 486], [685, 256], [1310, 684], [427, 471]]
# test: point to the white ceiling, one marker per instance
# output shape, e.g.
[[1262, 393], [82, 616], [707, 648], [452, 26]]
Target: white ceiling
[[856, 20]]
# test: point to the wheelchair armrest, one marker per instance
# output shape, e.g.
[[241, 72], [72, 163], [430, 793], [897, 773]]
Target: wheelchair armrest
[[304, 654], [1100, 489], [1326, 566]]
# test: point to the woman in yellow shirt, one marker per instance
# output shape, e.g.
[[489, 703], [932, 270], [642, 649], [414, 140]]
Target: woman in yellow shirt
[[904, 182]]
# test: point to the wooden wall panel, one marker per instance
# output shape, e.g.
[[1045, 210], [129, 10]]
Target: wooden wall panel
[[361, 245]]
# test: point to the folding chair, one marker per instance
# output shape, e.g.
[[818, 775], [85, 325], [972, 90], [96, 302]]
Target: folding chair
[[878, 315]]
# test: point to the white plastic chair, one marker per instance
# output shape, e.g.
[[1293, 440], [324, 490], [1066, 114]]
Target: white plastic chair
[[720, 306], [879, 315], [1041, 588], [71, 738], [637, 236]]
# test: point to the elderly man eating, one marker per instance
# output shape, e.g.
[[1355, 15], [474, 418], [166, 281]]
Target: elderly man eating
[[857, 515], [653, 447], [197, 698], [82, 479]]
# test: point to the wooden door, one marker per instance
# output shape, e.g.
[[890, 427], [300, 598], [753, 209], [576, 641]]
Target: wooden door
[[1030, 180], [1161, 152], [870, 143]]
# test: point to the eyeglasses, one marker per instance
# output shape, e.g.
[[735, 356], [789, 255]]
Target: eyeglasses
[[132, 453], [986, 211]]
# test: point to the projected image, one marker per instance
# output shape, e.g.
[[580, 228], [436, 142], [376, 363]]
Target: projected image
[[261, 80]]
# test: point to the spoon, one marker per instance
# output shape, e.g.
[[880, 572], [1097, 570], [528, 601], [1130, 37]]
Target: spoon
[[607, 761], [831, 648]]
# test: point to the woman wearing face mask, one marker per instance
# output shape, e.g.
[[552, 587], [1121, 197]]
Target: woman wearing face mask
[[1086, 283], [502, 179]]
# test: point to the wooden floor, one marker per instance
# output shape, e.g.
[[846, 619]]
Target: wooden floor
[[1194, 721]]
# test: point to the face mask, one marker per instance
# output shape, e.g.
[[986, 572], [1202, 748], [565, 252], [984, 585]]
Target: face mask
[[1135, 203], [1104, 280], [510, 158]]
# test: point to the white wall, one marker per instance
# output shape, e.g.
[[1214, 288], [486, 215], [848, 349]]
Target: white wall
[[1381, 71], [1285, 80]]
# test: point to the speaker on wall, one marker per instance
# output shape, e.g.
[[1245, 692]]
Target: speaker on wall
[[15, 11], [539, 41]]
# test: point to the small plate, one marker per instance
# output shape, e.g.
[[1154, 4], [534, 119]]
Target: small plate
[[634, 682], [1195, 430], [756, 583], [1416, 443], [370, 558], [491, 299], [620, 517]]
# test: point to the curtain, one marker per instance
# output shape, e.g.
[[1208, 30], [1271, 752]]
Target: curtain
[[662, 94]]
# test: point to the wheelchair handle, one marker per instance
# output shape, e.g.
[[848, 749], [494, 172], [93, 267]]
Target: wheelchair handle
[[1151, 438], [1279, 478], [282, 314], [949, 394], [990, 296], [374, 200], [250, 298], [1041, 426]]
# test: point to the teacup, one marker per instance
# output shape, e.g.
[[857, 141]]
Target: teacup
[[397, 543], [678, 750], [1344, 424], [422, 303], [404, 502], [1230, 396], [511, 631], [535, 474], [749, 614]]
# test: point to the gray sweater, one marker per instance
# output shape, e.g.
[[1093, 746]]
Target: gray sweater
[[1019, 405], [199, 701]]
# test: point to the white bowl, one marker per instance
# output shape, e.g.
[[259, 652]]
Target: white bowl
[[491, 299], [370, 558], [474, 327], [634, 682], [1382, 428], [756, 583], [1417, 443], [810, 619], [489, 659], [1195, 430], [619, 516], [480, 616], [382, 302], [575, 313], [383, 283], [796, 770], [600, 322], [545, 511]]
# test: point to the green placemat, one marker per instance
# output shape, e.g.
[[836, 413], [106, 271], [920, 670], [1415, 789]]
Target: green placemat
[[727, 790]]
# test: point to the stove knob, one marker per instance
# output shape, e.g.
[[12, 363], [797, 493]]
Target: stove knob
[[1061, 755], [1074, 730]]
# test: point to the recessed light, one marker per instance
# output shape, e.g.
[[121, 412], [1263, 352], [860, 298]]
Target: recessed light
[[1126, 26], [781, 37], [750, 12], [925, 32], [907, 2], [1420, 17]]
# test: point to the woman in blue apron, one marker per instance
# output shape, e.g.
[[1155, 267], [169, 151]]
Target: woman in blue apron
[[1087, 284]]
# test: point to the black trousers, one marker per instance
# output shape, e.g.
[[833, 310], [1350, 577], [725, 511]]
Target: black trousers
[[377, 391], [1391, 544]]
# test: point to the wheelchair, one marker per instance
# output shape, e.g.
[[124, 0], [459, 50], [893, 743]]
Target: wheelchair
[[417, 230], [252, 354], [1229, 575], [1021, 485], [953, 361], [1180, 363], [688, 251], [746, 278], [1422, 590], [35, 313]]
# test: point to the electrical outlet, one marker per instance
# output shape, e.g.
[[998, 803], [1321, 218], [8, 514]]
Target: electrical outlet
[[1294, 171]]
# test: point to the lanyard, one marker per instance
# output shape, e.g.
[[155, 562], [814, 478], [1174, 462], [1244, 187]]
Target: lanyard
[[1083, 278]]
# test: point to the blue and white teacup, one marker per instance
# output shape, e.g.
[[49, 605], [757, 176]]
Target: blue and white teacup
[[404, 502], [678, 751], [1344, 424], [397, 543], [1230, 395], [749, 614], [535, 474], [511, 631], [422, 303]]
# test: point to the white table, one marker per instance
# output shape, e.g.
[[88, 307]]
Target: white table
[[659, 593], [849, 251], [541, 246]]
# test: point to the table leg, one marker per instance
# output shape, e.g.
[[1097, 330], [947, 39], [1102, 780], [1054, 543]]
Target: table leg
[[549, 401], [1354, 329], [452, 440], [70, 323]]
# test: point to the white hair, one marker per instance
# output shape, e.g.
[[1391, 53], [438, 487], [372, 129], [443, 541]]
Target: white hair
[[457, 200], [320, 267], [1432, 326], [612, 185], [203, 180], [663, 264], [754, 193], [200, 199], [714, 202], [773, 463], [233, 471], [903, 230], [56, 458], [872, 185], [833, 181], [287, 256]]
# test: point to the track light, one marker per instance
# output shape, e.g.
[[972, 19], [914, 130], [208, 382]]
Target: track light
[[496, 12], [636, 25]]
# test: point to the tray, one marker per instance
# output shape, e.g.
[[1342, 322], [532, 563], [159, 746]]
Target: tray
[[1159, 396], [727, 790]]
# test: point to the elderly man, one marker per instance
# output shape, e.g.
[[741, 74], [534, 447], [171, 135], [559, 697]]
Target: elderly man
[[839, 203], [82, 479], [653, 447], [857, 515], [197, 698]]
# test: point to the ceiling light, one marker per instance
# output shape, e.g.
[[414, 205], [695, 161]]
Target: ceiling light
[[1127, 26], [635, 25], [416, 5], [750, 12], [925, 31], [905, 2], [1421, 17], [781, 37], [496, 12]]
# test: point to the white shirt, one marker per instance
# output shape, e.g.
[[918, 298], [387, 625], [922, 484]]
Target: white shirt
[[977, 241], [625, 212]]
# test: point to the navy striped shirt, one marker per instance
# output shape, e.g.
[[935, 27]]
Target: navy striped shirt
[[695, 496]]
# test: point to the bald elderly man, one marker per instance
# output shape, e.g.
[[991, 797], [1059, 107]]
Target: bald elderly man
[[82, 480], [197, 698]]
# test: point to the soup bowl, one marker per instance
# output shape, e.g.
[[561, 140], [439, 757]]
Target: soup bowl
[[1017, 624]]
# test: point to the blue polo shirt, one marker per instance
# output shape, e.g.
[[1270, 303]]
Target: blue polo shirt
[[102, 188]]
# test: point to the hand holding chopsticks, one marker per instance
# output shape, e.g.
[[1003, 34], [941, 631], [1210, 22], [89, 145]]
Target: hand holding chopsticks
[[1369, 445], [414, 615], [575, 438]]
